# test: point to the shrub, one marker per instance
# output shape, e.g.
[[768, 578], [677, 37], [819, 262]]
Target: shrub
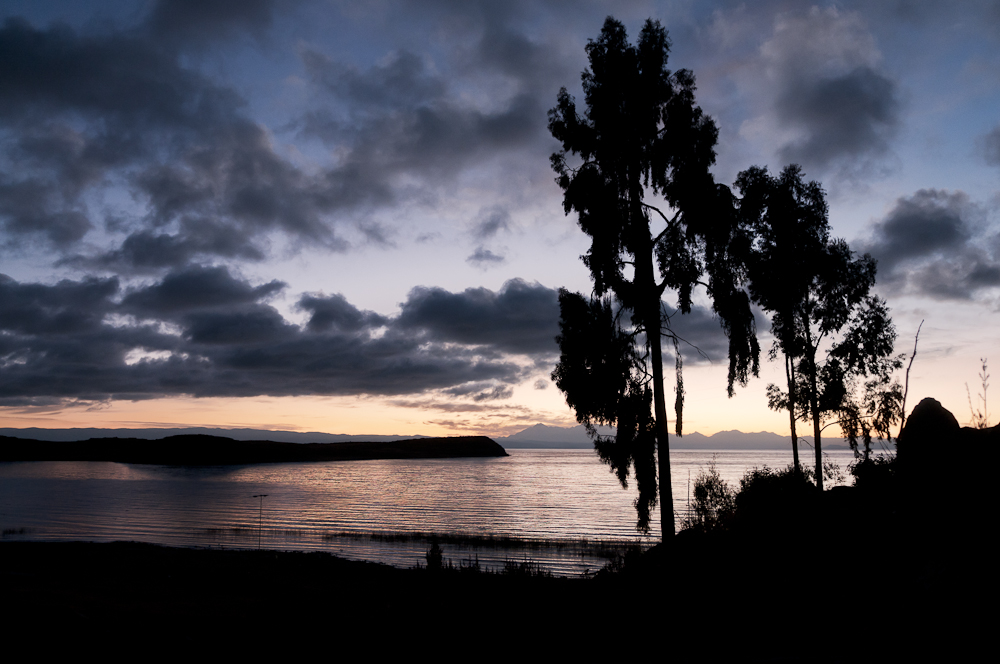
[[769, 497], [434, 557], [714, 501]]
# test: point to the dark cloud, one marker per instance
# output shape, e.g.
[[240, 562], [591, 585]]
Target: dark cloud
[[519, 318], [700, 334], [34, 209], [88, 115], [82, 114], [195, 288], [208, 20], [376, 234], [933, 243], [848, 116], [491, 221], [404, 118], [335, 312], [831, 104], [401, 83], [201, 331], [476, 392], [68, 307], [483, 257], [149, 251], [249, 325]]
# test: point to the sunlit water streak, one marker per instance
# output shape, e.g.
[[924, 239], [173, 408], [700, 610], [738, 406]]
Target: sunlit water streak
[[562, 497]]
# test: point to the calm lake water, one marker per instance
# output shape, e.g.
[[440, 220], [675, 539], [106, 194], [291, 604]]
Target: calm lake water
[[555, 508]]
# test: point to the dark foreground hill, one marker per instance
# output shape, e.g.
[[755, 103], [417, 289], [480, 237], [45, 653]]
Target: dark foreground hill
[[199, 450]]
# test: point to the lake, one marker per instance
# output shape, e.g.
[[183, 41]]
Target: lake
[[559, 509]]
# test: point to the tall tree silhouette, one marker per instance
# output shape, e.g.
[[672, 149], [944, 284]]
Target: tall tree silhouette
[[829, 328], [788, 218], [642, 133]]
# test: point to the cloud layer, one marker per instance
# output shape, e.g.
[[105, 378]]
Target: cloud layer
[[937, 244], [203, 332]]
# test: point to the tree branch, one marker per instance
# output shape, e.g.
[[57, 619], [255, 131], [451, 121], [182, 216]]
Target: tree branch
[[906, 389]]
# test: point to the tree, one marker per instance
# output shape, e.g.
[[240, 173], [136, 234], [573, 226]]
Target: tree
[[831, 331], [641, 132], [789, 221]]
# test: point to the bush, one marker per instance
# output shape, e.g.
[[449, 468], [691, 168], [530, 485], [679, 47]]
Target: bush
[[434, 557], [875, 473], [775, 498], [714, 501]]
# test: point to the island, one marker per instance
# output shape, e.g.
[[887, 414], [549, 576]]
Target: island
[[203, 450]]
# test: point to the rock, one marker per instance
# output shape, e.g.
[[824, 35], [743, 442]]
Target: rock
[[929, 428]]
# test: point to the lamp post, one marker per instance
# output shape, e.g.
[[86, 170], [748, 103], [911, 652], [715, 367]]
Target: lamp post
[[260, 518]]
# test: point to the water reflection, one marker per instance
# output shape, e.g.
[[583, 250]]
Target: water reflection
[[566, 497]]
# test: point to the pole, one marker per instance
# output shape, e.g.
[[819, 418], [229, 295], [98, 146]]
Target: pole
[[260, 518]]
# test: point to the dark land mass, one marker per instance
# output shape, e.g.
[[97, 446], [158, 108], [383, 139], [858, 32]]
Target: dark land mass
[[200, 450], [900, 567], [803, 596]]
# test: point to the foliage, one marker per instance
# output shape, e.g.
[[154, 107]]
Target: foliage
[[874, 472], [980, 418], [837, 338], [525, 569], [641, 134], [788, 218], [714, 501], [433, 557], [599, 371], [773, 498], [764, 495]]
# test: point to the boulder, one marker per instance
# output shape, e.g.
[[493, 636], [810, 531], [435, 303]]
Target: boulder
[[929, 428]]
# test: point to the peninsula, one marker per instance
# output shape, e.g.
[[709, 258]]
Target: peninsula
[[202, 450]]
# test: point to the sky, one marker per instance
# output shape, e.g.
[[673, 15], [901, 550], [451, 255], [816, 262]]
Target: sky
[[315, 215]]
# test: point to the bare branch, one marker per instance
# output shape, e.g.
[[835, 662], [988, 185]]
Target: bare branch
[[906, 389]]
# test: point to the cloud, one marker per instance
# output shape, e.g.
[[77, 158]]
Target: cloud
[[519, 318], [491, 220], [934, 243], [131, 123], [88, 115], [702, 338], [195, 288], [146, 250], [208, 20], [202, 331], [335, 312], [826, 101], [401, 118], [483, 257], [68, 307], [990, 145]]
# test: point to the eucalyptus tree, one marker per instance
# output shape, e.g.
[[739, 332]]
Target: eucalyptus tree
[[640, 141], [789, 222], [832, 332]]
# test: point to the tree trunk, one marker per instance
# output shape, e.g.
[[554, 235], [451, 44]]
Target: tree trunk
[[662, 436], [648, 297], [814, 404], [819, 450], [817, 444], [790, 376]]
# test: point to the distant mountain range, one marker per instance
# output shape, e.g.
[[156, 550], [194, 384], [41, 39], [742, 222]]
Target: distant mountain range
[[539, 436], [67, 435], [544, 436]]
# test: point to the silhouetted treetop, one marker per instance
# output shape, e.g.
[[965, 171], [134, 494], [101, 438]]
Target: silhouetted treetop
[[641, 136]]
